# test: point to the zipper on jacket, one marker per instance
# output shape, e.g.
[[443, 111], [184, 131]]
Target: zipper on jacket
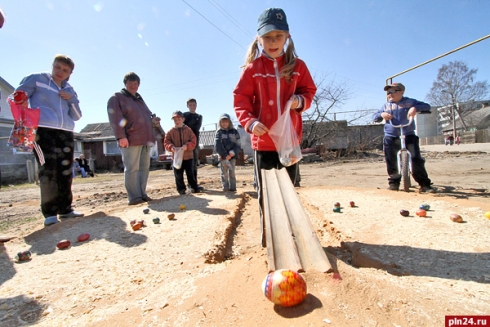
[[61, 105], [278, 91]]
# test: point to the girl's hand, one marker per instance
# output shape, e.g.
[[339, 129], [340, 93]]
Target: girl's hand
[[65, 95], [184, 147], [297, 102], [259, 129]]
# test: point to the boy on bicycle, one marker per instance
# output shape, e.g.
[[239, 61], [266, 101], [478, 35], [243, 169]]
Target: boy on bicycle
[[399, 109]]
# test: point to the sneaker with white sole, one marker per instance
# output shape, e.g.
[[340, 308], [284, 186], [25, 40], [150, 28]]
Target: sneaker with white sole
[[72, 214], [48, 221], [427, 189]]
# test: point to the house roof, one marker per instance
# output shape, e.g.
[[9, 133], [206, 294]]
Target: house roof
[[96, 132], [6, 84], [474, 119], [479, 119]]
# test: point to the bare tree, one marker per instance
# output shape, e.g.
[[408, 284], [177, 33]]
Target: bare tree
[[318, 120], [455, 84]]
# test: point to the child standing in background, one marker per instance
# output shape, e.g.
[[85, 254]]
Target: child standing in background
[[194, 121], [181, 136], [227, 145], [269, 79]]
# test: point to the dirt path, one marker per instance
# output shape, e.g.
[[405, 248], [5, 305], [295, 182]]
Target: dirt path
[[392, 271]]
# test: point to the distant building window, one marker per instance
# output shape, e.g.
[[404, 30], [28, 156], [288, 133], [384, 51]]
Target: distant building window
[[77, 147], [111, 148], [17, 151]]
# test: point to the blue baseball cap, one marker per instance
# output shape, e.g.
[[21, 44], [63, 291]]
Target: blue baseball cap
[[272, 19]]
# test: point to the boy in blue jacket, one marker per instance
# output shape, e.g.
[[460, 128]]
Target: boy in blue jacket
[[227, 145], [399, 109]]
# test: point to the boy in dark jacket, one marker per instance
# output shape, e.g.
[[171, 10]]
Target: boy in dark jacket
[[227, 145], [181, 138], [194, 121]]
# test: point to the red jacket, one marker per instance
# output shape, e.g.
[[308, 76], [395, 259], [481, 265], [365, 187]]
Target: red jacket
[[261, 95], [177, 137]]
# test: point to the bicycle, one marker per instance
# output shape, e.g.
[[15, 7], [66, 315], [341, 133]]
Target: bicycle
[[404, 158]]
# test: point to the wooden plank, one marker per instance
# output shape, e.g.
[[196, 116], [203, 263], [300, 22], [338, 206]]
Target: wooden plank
[[281, 244], [309, 248], [266, 225]]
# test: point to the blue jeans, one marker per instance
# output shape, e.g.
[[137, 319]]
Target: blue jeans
[[81, 170], [228, 178], [391, 146], [136, 160]]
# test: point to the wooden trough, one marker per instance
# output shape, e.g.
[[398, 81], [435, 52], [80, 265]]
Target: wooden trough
[[291, 241]]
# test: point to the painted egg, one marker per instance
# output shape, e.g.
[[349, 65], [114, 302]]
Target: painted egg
[[284, 287]]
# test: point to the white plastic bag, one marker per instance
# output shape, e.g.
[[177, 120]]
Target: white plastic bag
[[178, 157], [285, 138]]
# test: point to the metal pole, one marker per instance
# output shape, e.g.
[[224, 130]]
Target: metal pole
[[454, 120], [389, 80]]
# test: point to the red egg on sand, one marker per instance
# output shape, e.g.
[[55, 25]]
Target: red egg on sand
[[83, 237], [63, 244]]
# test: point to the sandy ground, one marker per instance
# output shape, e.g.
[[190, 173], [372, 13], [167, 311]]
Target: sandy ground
[[206, 266]]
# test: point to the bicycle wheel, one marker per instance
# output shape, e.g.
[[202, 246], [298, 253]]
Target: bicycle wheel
[[405, 182]]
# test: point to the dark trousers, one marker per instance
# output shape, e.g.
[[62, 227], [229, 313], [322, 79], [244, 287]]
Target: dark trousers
[[391, 147], [195, 153], [55, 176], [269, 160], [188, 167]]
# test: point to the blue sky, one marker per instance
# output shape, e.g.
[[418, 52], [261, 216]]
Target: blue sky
[[194, 48]]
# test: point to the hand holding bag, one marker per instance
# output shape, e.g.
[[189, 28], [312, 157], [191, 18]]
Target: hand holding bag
[[26, 120], [285, 138], [178, 157]]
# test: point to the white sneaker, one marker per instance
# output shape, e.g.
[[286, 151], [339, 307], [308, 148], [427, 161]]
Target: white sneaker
[[51, 221]]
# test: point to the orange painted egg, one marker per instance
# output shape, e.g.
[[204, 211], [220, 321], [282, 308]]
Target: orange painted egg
[[284, 287]]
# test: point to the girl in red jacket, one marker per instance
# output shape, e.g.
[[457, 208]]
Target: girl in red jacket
[[269, 79]]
